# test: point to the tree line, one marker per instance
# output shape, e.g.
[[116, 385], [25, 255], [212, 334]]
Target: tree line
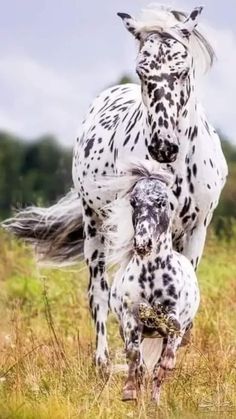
[[36, 172], [39, 172]]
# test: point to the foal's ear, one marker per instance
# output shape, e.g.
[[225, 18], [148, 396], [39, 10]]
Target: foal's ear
[[166, 177], [190, 23], [130, 24]]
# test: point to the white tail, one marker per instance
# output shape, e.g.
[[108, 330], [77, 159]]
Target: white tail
[[151, 349], [55, 232]]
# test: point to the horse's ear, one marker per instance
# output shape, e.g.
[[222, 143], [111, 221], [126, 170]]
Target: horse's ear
[[130, 24], [190, 23]]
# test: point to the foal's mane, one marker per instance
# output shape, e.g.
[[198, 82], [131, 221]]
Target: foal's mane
[[158, 18], [118, 226]]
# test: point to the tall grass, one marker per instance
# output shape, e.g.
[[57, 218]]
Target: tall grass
[[47, 346]]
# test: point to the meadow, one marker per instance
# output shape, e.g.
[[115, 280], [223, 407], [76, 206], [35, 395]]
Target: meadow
[[47, 345]]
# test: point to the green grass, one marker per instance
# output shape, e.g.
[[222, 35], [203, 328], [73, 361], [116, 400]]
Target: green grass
[[47, 346]]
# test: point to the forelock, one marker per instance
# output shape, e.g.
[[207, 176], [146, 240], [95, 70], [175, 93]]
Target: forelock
[[161, 20]]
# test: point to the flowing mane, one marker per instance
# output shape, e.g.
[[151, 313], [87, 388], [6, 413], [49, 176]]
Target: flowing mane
[[117, 226], [158, 18]]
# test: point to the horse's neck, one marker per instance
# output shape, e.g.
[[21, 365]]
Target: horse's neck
[[187, 129], [188, 132]]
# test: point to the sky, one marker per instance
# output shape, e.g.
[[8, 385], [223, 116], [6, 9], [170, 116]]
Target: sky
[[57, 55]]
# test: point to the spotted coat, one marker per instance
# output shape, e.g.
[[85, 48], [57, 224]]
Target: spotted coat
[[155, 276], [159, 119]]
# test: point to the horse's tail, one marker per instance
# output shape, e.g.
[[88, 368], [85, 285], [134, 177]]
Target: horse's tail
[[151, 349], [55, 232]]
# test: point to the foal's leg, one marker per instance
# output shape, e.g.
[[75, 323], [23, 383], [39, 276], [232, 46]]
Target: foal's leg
[[165, 364], [94, 252], [132, 336]]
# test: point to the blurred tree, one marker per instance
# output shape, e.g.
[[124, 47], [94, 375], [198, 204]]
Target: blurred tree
[[126, 79], [39, 171]]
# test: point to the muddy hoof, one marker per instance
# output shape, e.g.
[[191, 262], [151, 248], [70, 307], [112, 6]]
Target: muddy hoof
[[103, 367], [129, 394], [156, 396]]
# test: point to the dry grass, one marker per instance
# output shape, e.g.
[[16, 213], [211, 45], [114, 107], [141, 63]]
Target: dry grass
[[47, 343]]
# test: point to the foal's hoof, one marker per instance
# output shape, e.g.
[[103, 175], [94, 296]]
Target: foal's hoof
[[156, 395], [129, 394]]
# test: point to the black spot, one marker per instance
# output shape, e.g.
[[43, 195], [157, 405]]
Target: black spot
[[88, 147], [91, 231], [94, 255], [166, 279], [158, 293], [172, 291], [194, 169]]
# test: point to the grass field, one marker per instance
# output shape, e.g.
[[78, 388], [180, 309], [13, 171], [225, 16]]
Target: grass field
[[47, 344]]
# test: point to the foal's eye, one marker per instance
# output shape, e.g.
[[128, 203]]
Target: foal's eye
[[132, 203]]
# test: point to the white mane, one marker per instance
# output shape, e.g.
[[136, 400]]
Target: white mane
[[162, 18], [118, 226]]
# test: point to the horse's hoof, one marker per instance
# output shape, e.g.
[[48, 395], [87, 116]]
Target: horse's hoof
[[104, 370], [129, 394], [103, 367]]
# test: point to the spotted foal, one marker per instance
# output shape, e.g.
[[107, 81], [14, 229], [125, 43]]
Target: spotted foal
[[155, 293]]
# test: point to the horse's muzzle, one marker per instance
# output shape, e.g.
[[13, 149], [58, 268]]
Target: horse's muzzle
[[164, 151]]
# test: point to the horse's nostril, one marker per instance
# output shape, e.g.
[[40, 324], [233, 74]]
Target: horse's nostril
[[175, 148]]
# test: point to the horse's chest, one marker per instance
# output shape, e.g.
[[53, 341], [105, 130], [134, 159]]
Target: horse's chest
[[196, 194]]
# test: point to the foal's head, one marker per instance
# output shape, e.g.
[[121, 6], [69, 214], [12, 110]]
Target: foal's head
[[164, 67], [151, 213]]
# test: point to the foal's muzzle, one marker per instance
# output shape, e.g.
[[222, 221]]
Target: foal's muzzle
[[143, 248]]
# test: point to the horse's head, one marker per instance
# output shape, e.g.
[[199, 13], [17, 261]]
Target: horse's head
[[164, 67], [151, 213]]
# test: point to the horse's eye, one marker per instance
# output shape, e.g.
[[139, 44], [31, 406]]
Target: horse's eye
[[138, 72], [184, 74]]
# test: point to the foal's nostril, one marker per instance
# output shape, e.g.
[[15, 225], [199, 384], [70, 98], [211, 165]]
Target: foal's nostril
[[144, 248]]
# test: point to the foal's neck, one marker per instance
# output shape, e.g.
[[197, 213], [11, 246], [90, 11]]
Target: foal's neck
[[163, 248]]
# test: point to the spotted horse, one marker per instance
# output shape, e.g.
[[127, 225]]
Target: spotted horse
[[155, 292], [161, 119]]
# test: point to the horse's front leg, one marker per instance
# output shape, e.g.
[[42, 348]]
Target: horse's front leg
[[193, 244], [98, 290]]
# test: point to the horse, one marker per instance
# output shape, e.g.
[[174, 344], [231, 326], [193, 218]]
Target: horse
[[155, 292], [159, 119]]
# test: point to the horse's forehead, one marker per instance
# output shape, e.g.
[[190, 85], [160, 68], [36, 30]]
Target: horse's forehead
[[155, 42]]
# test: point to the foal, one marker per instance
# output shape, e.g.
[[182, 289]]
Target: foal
[[155, 292]]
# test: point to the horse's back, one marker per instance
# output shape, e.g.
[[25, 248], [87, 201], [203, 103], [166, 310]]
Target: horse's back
[[109, 110], [104, 137]]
